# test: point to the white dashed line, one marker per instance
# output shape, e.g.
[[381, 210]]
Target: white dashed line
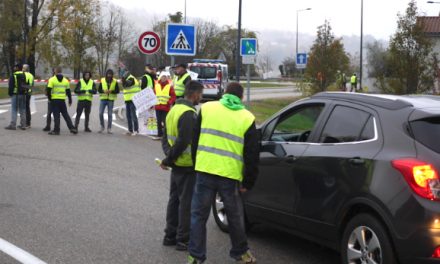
[[18, 253]]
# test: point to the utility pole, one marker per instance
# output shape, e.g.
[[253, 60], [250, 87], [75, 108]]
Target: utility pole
[[362, 44], [25, 31], [238, 62]]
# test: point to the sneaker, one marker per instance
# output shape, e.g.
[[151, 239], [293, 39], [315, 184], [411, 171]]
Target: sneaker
[[101, 130], [28, 126], [109, 131], [134, 133], [193, 260], [46, 129], [247, 258], [182, 246], [74, 131], [21, 127], [87, 130], [169, 241], [53, 133], [128, 133], [10, 127]]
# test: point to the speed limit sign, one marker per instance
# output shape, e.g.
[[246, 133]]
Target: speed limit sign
[[149, 42]]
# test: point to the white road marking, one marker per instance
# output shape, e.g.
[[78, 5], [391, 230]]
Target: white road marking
[[106, 116], [3, 111], [45, 115], [82, 116], [33, 112], [122, 127], [18, 253]]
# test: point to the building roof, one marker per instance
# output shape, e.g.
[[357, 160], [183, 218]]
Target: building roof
[[431, 24]]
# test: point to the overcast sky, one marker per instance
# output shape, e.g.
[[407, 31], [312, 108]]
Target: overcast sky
[[344, 15]]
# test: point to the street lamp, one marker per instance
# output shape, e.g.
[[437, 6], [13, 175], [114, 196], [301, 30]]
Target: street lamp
[[297, 12]]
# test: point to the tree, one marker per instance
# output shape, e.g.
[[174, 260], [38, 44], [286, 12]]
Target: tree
[[378, 58], [289, 66], [326, 57]]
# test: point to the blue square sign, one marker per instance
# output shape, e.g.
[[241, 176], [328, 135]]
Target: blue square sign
[[180, 40], [301, 59], [248, 47]]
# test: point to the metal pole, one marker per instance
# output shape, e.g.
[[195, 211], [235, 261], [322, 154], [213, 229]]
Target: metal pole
[[238, 62], [362, 36], [24, 31], [185, 13], [296, 46], [248, 89]]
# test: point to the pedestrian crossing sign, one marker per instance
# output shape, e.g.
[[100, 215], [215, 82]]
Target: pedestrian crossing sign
[[180, 40]]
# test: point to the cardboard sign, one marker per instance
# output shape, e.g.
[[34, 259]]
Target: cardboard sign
[[144, 100]]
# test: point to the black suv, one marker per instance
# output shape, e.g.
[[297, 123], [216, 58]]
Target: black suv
[[355, 172]]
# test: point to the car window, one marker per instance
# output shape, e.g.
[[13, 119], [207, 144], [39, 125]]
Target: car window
[[347, 124], [204, 72], [296, 126], [427, 131]]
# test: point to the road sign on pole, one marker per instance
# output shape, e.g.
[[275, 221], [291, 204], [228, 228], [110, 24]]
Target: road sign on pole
[[248, 47], [180, 40], [149, 42], [248, 59], [301, 60]]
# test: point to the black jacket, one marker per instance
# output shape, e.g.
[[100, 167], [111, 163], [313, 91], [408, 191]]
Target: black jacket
[[144, 80], [68, 93], [21, 83], [186, 127], [116, 91], [251, 152]]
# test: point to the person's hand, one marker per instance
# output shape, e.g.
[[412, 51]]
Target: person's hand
[[243, 190], [163, 167]]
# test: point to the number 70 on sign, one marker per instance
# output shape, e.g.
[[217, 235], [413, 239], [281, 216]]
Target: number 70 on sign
[[149, 42]]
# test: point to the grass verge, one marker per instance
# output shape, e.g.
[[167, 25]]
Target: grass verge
[[263, 109], [37, 90]]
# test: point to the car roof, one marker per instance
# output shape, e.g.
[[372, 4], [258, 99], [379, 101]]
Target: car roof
[[387, 101]]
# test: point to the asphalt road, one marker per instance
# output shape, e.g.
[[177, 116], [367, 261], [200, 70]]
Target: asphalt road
[[92, 198]]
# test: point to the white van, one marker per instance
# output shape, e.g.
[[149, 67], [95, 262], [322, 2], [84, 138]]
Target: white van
[[213, 74]]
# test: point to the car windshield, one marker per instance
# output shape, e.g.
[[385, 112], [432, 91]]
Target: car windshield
[[426, 132], [204, 72]]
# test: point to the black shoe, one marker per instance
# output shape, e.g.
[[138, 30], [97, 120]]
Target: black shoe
[[46, 129], [21, 127], [182, 246], [74, 131], [10, 127], [87, 130], [54, 133], [169, 241]]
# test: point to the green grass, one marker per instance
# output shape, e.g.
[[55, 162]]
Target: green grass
[[40, 89], [263, 109]]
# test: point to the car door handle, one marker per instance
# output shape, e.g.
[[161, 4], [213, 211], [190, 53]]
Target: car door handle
[[290, 159], [356, 161]]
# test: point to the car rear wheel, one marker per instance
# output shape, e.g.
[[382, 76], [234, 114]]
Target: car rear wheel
[[365, 241], [218, 210]]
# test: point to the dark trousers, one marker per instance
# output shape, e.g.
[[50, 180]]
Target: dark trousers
[[85, 106], [179, 204], [28, 110], [59, 107], [160, 117], [206, 187], [131, 116], [49, 114]]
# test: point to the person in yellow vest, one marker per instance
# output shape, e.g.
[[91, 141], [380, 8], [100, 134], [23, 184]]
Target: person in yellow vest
[[58, 89], [226, 153], [108, 93], [85, 89], [176, 144], [131, 87], [17, 91], [353, 83], [165, 99], [30, 83], [149, 77], [181, 78]]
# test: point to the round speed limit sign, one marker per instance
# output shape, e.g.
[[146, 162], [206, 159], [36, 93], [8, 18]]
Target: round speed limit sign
[[149, 42]]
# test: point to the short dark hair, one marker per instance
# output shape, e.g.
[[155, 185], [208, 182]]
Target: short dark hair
[[235, 88], [193, 87]]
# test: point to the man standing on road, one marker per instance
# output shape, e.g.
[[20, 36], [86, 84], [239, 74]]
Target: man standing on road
[[165, 99], [49, 110], [58, 88], [226, 152], [176, 145], [108, 93], [85, 89], [149, 77], [131, 87], [30, 83], [17, 91], [353, 83], [181, 78]]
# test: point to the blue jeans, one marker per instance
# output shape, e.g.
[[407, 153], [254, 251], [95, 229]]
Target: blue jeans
[[18, 105], [206, 187], [131, 116], [102, 105]]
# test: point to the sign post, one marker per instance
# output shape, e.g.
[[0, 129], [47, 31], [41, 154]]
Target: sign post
[[248, 51], [149, 42]]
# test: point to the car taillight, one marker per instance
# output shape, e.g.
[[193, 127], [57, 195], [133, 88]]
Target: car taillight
[[436, 253], [219, 75], [421, 177]]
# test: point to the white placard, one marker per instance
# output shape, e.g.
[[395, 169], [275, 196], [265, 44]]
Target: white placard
[[193, 75], [144, 100]]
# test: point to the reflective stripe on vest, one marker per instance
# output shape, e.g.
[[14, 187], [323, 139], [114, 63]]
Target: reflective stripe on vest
[[104, 85], [179, 86], [172, 122], [86, 88], [221, 143], [163, 95], [59, 88], [129, 92]]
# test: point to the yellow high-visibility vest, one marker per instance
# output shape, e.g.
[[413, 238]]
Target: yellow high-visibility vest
[[87, 89], [58, 88], [129, 92], [163, 95], [105, 87], [179, 86]]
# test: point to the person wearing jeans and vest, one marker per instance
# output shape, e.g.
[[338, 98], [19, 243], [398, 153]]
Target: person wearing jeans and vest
[[131, 87], [85, 89], [181, 78], [58, 88], [17, 91], [226, 153], [30, 83], [108, 93], [165, 99], [176, 144]]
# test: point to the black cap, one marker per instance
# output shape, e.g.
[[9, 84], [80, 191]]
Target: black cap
[[149, 66], [183, 65]]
